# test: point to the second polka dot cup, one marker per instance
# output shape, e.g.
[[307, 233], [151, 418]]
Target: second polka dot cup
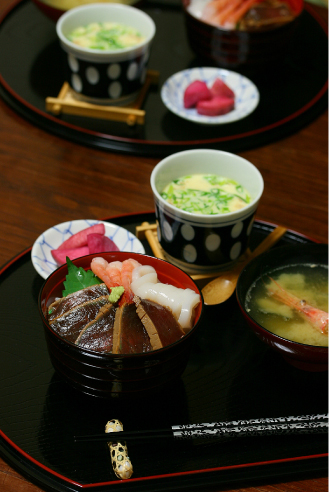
[[106, 76], [200, 243]]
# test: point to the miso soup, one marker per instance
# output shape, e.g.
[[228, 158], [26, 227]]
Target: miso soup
[[269, 301]]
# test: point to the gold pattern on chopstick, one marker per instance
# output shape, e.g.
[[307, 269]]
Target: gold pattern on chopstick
[[119, 452]]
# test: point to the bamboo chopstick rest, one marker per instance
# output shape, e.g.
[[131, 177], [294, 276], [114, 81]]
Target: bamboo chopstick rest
[[149, 231], [68, 102]]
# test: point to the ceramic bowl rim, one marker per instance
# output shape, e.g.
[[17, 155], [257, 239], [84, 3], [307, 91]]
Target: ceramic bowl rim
[[268, 333], [246, 211], [72, 47], [109, 356]]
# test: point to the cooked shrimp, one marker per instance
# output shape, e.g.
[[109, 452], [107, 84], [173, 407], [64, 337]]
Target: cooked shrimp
[[227, 13], [98, 266], [316, 317], [240, 11], [115, 273], [128, 267], [113, 270], [224, 14], [211, 9]]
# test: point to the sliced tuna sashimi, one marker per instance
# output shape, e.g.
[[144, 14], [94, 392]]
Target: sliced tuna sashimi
[[159, 322], [130, 336], [98, 334], [64, 304], [196, 91], [80, 238], [70, 324], [216, 106]]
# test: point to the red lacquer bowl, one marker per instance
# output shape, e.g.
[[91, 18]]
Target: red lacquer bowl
[[112, 375], [234, 48], [306, 357]]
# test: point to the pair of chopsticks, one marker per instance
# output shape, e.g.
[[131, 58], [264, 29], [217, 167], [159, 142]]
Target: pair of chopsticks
[[238, 428]]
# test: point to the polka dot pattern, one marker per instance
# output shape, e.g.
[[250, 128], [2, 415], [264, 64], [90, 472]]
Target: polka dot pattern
[[92, 75], [107, 80], [203, 246], [76, 82]]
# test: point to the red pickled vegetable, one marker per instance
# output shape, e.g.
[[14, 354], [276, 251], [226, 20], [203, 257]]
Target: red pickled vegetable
[[216, 106], [219, 88], [60, 255], [80, 238], [97, 243], [195, 92]]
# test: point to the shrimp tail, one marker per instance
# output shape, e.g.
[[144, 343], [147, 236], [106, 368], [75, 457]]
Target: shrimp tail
[[316, 317]]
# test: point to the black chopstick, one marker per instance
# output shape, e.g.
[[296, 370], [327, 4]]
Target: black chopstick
[[256, 427]]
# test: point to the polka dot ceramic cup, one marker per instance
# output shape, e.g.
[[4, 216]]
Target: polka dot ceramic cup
[[202, 243], [106, 76]]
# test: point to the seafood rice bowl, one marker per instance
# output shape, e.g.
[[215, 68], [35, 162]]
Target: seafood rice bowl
[[241, 33], [119, 323]]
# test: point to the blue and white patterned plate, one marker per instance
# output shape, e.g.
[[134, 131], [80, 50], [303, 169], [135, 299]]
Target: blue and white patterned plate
[[246, 94], [41, 256]]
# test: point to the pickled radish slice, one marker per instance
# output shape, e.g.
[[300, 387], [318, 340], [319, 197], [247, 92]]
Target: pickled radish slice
[[195, 92], [80, 238]]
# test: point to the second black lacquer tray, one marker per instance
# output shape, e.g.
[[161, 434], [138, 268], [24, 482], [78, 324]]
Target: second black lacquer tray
[[293, 92], [231, 375]]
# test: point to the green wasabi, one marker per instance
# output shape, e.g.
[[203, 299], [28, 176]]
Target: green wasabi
[[116, 293]]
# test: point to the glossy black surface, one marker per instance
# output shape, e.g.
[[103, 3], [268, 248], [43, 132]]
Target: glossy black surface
[[230, 375], [292, 92]]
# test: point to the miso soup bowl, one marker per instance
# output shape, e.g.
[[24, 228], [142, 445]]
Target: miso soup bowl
[[106, 76], [204, 243], [117, 375], [302, 356]]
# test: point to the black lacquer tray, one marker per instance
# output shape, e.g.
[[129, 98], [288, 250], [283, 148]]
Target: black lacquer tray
[[231, 375], [293, 92]]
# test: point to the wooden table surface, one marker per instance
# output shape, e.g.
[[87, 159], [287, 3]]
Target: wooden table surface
[[46, 180]]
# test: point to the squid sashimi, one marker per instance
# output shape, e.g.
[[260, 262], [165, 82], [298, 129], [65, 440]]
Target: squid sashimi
[[181, 302]]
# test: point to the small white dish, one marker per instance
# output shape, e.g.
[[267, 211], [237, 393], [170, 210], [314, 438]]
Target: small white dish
[[246, 94], [41, 255]]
